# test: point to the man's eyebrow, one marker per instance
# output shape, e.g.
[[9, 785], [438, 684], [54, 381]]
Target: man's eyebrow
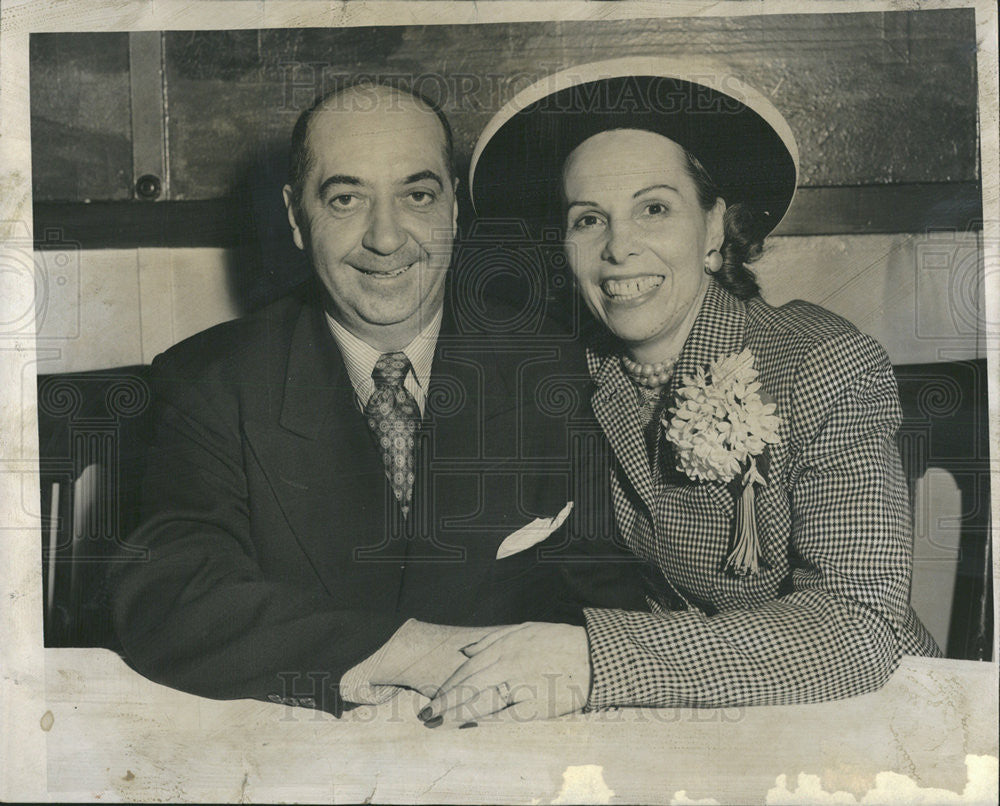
[[339, 179], [638, 193], [420, 176]]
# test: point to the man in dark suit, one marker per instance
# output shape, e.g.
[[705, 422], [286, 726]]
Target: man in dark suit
[[341, 468]]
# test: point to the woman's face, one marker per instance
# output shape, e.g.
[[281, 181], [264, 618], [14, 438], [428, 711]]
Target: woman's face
[[636, 238]]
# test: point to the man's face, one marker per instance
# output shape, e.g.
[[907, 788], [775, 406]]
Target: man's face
[[378, 213]]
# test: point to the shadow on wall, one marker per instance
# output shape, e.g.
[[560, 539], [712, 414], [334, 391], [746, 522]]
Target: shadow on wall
[[265, 263]]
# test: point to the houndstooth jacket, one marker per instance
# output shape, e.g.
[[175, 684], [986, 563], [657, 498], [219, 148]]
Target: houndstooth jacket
[[829, 615]]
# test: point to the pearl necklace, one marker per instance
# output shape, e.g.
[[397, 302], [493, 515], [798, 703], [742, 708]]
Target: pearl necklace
[[652, 376]]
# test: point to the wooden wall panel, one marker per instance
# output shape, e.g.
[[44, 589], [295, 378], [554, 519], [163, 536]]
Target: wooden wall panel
[[80, 117], [873, 98]]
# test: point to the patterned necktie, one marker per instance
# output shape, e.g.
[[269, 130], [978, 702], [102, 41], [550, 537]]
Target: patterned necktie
[[393, 416]]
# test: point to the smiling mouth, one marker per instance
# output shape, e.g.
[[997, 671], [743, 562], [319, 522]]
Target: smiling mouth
[[386, 275], [631, 287]]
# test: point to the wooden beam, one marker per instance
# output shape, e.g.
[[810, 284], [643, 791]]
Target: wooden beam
[[135, 224], [149, 114], [884, 208]]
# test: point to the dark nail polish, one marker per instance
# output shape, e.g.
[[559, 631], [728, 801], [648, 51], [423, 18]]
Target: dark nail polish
[[433, 723], [468, 725], [425, 712]]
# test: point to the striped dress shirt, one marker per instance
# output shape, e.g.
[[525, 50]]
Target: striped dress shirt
[[360, 358]]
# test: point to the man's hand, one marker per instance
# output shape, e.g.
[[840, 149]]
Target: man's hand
[[535, 670], [421, 656]]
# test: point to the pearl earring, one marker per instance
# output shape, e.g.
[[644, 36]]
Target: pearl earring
[[713, 261]]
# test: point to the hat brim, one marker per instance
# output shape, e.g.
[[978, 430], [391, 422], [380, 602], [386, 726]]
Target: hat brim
[[738, 136]]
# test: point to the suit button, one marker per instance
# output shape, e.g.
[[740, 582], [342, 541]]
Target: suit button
[[307, 702], [274, 697]]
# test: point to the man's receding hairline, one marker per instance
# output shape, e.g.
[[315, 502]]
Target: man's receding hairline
[[327, 104], [379, 89]]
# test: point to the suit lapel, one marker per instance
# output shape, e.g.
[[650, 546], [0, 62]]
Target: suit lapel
[[467, 390], [718, 330], [320, 460], [316, 383], [466, 397], [614, 404]]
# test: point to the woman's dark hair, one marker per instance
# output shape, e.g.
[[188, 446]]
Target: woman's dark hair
[[741, 245]]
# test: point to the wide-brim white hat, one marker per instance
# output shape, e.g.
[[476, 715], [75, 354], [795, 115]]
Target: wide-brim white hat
[[739, 137]]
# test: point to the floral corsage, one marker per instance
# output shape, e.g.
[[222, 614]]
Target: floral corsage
[[720, 425]]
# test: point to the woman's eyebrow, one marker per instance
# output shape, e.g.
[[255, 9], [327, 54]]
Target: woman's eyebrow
[[638, 193], [582, 204]]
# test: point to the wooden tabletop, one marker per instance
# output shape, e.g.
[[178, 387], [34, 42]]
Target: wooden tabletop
[[113, 735]]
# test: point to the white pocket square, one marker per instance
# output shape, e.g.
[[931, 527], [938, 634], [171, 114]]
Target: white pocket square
[[532, 534]]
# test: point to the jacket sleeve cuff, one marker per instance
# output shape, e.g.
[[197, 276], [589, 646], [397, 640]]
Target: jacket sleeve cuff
[[612, 666], [355, 685]]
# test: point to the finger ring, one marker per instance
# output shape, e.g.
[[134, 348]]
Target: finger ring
[[504, 691]]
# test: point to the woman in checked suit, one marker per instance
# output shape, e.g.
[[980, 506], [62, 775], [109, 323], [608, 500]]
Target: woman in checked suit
[[754, 460]]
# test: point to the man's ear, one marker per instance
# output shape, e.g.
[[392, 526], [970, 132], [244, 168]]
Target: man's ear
[[286, 192], [454, 204]]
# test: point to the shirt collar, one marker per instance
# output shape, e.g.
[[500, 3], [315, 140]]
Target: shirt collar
[[360, 358]]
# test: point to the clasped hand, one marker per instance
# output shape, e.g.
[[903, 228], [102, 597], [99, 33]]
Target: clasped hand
[[536, 670]]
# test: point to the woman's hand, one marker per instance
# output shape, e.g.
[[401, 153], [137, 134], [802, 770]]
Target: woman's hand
[[535, 670]]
